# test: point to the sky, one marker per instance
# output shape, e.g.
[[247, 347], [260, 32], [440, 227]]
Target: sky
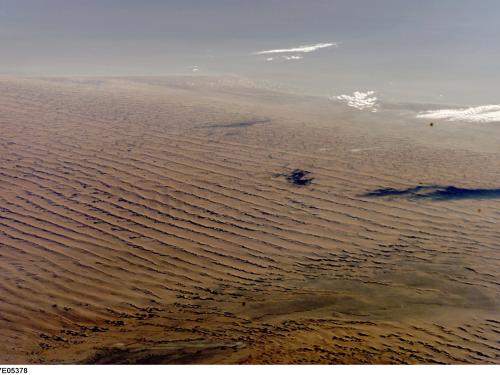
[[430, 51]]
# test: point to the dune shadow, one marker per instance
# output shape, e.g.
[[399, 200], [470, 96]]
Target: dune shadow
[[243, 124], [435, 192]]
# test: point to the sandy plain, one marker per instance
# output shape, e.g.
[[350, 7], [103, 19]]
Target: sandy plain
[[150, 220]]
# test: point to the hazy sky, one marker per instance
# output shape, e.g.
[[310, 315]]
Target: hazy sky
[[408, 50]]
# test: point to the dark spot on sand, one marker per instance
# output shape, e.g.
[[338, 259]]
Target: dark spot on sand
[[435, 192], [116, 323], [97, 329], [243, 124], [298, 177]]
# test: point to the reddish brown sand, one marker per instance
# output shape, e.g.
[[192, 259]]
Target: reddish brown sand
[[151, 221]]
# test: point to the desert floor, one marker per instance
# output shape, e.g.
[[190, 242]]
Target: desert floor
[[155, 221]]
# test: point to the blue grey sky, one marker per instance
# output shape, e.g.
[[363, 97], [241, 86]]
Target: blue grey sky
[[442, 51]]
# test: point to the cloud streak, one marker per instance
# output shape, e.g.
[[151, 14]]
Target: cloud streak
[[285, 57], [360, 100], [293, 57], [481, 114], [300, 49]]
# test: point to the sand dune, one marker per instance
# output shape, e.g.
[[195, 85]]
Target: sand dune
[[146, 221]]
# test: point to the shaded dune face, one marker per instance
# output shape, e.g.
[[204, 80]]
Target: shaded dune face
[[144, 223]]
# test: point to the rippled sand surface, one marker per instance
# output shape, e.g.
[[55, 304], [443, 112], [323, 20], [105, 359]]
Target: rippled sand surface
[[159, 221]]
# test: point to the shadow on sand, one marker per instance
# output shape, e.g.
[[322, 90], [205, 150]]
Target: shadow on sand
[[243, 124], [435, 192]]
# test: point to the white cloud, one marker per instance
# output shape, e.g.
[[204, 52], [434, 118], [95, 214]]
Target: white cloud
[[293, 57], [195, 69], [303, 49], [360, 100], [285, 57], [484, 113]]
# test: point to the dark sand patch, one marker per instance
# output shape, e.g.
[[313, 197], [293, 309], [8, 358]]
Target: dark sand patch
[[299, 177], [435, 192], [175, 353], [243, 124]]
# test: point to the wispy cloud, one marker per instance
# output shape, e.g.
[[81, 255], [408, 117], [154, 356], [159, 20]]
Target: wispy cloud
[[360, 100], [285, 57], [293, 57], [300, 49], [484, 113]]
